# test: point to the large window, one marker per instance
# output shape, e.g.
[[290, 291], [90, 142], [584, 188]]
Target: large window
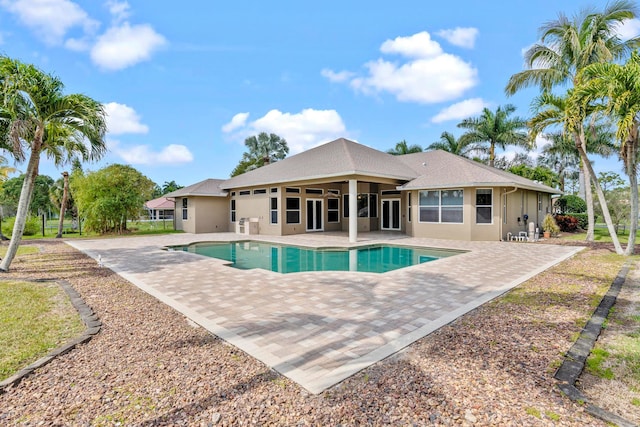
[[293, 210], [367, 205], [484, 206], [333, 210], [274, 210], [233, 210], [184, 208], [441, 206]]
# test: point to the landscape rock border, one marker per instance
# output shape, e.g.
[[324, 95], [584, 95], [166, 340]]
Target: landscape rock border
[[87, 315], [576, 357]]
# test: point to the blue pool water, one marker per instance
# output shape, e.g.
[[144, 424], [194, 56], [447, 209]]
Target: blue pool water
[[293, 259]]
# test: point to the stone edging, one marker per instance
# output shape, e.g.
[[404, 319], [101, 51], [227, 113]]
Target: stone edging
[[576, 357], [90, 320]]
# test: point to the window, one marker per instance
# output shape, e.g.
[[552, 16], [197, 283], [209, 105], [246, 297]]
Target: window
[[345, 205], [441, 206], [292, 190], [274, 210], [244, 192], [184, 208], [260, 191], [333, 210], [333, 191], [390, 192], [409, 207], [314, 191], [293, 210], [233, 193], [233, 210], [367, 205], [373, 206], [484, 206], [274, 189], [539, 202]]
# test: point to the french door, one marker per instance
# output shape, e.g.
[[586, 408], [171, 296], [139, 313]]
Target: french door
[[314, 215], [390, 214]]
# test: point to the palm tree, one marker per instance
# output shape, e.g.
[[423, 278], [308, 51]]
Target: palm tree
[[566, 47], [41, 119], [63, 203], [496, 129], [617, 86], [460, 146], [560, 156], [403, 147], [262, 149]]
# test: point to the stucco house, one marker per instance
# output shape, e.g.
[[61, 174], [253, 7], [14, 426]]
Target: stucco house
[[346, 186]]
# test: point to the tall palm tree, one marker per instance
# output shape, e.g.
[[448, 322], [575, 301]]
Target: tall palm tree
[[39, 119], [63, 203], [618, 86], [560, 156], [460, 146], [496, 129], [266, 148], [403, 147], [566, 47]]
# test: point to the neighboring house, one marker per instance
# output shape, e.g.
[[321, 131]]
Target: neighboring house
[[346, 186], [160, 208]]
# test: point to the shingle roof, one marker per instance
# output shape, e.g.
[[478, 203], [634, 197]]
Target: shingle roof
[[160, 203], [335, 158], [208, 187], [440, 169]]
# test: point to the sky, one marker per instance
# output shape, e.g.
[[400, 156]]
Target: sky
[[184, 83]]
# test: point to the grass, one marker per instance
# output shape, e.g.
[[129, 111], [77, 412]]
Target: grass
[[35, 318], [22, 250], [601, 234], [133, 228]]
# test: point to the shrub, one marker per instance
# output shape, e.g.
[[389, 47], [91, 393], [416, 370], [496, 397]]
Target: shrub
[[567, 223], [549, 224], [31, 227], [583, 220], [571, 204]]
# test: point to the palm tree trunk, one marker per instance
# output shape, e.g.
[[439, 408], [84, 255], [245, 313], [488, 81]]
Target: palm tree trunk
[[492, 154], [23, 206], [630, 160], [588, 198], [63, 205], [579, 138]]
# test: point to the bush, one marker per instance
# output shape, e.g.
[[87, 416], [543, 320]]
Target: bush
[[549, 224], [32, 227], [571, 204], [567, 223], [583, 220]]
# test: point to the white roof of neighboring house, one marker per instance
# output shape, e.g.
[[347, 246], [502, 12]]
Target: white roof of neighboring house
[[424, 170], [208, 187]]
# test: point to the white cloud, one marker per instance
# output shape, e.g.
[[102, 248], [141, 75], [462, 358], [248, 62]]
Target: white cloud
[[460, 110], [125, 45], [628, 29], [337, 77], [463, 37], [173, 154], [418, 45], [302, 130], [119, 10], [430, 75], [50, 19], [123, 119], [236, 122]]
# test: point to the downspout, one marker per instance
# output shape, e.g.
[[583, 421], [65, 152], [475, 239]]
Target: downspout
[[503, 204]]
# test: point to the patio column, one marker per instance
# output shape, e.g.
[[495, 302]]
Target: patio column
[[353, 211]]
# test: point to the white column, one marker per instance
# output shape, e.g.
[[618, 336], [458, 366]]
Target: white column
[[353, 211]]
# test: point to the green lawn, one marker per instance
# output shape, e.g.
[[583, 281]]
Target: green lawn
[[133, 228], [35, 318], [601, 234]]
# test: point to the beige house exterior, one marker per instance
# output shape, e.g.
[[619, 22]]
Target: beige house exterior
[[346, 186]]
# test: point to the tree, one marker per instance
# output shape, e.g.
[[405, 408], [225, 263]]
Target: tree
[[617, 86], [262, 149], [560, 156], [496, 129], [538, 173], [170, 186], [63, 203], [566, 47], [40, 201], [107, 198], [403, 147], [460, 146], [39, 118]]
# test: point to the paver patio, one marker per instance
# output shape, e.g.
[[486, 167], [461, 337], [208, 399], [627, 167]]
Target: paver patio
[[319, 328]]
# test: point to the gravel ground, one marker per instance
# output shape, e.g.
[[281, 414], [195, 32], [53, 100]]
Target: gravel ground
[[149, 366]]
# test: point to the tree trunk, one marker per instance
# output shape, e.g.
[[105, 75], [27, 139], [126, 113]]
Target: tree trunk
[[603, 202], [630, 166], [63, 205], [588, 198], [23, 205], [492, 154]]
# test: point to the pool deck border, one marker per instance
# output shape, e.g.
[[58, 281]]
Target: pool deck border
[[318, 380]]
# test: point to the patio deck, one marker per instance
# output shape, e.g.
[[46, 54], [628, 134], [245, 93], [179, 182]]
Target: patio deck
[[319, 328]]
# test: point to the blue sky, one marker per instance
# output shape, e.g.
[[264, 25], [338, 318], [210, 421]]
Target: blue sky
[[185, 83]]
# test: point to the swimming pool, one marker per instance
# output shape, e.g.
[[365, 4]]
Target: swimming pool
[[293, 259]]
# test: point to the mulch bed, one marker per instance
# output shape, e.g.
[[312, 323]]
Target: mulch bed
[[149, 366]]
